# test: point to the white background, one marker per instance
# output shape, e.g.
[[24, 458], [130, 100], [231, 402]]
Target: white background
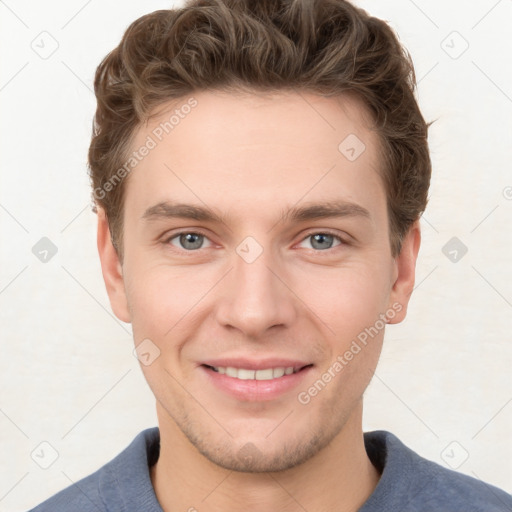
[[68, 375]]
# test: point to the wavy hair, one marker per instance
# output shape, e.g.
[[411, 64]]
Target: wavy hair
[[329, 47]]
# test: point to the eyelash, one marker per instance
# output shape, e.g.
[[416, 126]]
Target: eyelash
[[308, 235]]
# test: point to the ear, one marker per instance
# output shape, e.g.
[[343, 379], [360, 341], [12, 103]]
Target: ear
[[111, 269], [404, 273]]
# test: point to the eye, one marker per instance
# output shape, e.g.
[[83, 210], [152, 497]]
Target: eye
[[188, 240], [192, 240], [322, 241]]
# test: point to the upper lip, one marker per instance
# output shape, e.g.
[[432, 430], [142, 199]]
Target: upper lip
[[256, 364]]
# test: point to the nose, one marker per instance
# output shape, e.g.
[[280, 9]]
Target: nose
[[255, 296]]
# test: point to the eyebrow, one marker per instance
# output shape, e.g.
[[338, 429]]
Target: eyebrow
[[311, 211]]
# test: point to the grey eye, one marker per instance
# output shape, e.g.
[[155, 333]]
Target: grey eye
[[322, 241], [188, 240]]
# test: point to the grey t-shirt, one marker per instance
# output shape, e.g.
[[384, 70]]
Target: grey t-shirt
[[408, 483]]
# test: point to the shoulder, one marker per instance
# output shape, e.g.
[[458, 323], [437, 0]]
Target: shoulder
[[413, 483], [83, 495], [122, 480]]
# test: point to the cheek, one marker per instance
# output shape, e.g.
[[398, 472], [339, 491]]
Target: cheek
[[155, 302], [165, 300], [348, 298], [353, 310]]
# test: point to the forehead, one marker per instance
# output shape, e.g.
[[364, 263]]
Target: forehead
[[249, 149]]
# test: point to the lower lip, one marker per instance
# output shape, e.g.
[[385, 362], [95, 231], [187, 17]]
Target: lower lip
[[255, 390]]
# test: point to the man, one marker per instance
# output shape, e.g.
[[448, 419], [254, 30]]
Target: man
[[259, 171]]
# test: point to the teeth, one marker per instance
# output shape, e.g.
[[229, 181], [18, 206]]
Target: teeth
[[231, 372], [278, 372], [245, 374]]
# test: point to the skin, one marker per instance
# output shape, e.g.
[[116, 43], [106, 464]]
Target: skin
[[249, 157]]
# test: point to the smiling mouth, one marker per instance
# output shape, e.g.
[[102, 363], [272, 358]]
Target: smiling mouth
[[263, 374]]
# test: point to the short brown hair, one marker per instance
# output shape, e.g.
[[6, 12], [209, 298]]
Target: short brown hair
[[329, 47]]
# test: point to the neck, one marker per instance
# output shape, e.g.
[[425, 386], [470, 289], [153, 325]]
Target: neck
[[339, 477]]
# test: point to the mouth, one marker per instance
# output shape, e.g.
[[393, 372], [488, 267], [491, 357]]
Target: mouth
[[266, 383], [261, 374]]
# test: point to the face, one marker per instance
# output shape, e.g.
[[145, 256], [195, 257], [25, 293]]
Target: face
[[256, 243]]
